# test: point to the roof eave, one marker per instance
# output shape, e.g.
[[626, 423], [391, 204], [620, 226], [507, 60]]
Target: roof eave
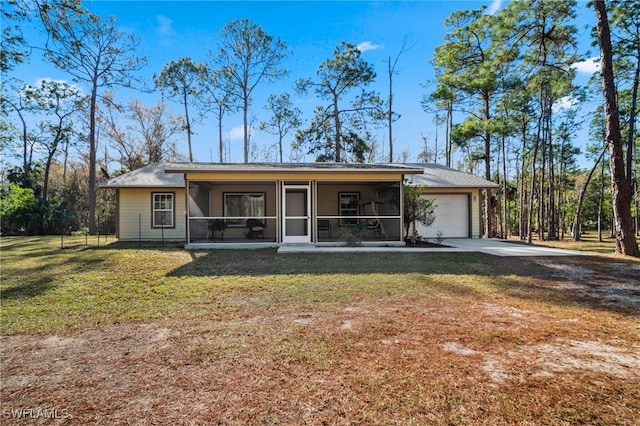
[[118, 186], [301, 170]]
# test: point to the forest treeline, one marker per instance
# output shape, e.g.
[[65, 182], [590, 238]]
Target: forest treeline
[[504, 93]]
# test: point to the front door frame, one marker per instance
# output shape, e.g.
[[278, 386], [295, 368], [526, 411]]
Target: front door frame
[[299, 239]]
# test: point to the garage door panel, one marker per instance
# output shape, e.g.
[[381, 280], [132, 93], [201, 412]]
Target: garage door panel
[[452, 217]]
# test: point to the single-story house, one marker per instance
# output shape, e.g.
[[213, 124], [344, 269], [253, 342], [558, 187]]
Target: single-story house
[[209, 204]]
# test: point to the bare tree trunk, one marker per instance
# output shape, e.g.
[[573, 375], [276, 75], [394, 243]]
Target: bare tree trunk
[[601, 202], [562, 191], [533, 181], [448, 131], [635, 201], [336, 119], [505, 212], [92, 160], [626, 243], [390, 111], [523, 196], [220, 141], [488, 221], [577, 220], [543, 169], [188, 123], [632, 123], [245, 115], [65, 162], [553, 219]]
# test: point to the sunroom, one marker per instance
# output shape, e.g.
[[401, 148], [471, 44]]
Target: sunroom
[[275, 203]]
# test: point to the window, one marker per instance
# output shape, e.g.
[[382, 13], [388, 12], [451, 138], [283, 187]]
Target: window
[[349, 206], [243, 205], [162, 210]]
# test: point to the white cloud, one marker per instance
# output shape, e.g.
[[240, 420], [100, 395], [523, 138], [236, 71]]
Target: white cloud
[[237, 133], [40, 81], [589, 66], [164, 25], [494, 7], [367, 45], [565, 103]]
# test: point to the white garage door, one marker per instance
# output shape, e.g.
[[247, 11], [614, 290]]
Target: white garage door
[[452, 217]]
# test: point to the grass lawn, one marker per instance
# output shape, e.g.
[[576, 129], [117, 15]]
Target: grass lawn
[[121, 334], [588, 242]]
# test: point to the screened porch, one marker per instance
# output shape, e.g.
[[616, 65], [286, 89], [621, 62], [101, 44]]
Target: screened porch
[[307, 212]]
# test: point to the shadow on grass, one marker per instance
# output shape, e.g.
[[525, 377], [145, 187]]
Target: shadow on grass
[[587, 281], [263, 262], [144, 245], [28, 290]]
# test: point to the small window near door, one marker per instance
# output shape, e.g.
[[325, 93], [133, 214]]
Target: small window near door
[[349, 206], [163, 207]]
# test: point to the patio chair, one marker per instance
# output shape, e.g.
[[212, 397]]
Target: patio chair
[[255, 229], [217, 225], [373, 226], [324, 225]]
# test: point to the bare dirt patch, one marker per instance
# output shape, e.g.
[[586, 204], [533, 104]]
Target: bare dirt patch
[[555, 342]]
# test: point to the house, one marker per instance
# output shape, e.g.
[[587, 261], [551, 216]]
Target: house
[[457, 197], [261, 204]]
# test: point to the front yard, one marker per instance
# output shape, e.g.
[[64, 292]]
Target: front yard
[[123, 334]]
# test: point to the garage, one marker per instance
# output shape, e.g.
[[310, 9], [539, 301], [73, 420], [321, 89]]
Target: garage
[[458, 198], [452, 217]]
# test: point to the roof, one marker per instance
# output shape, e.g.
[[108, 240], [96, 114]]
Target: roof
[[151, 176], [289, 167], [170, 175], [438, 176]]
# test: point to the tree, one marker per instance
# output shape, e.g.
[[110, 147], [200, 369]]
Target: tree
[[285, 118], [548, 50], [95, 53], [17, 103], [249, 56], [391, 116], [626, 243], [577, 223], [16, 205], [58, 102], [417, 208], [336, 127], [181, 80], [443, 96], [470, 61], [625, 22], [148, 136], [218, 98], [12, 47]]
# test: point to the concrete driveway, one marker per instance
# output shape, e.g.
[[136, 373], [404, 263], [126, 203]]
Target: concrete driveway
[[498, 247]]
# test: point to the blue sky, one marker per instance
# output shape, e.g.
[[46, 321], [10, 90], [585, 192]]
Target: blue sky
[[172, 29]]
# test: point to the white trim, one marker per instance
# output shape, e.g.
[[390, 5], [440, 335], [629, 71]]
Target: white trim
[[300, 239], [154, 209]]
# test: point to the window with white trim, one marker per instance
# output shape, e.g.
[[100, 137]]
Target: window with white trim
[[163, 206], [349, 206]]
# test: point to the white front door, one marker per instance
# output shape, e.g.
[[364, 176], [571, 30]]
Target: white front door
[[296, 220]]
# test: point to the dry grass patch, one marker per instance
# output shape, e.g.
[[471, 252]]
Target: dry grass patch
[[338, 339], [588, 242]]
